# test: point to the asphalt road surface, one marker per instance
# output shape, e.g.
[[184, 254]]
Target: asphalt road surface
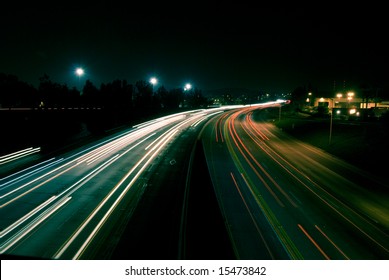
[[283, 199], [77, 206], [222, 183]]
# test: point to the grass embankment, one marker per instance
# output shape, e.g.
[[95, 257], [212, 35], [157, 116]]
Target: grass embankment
[[363, 144]]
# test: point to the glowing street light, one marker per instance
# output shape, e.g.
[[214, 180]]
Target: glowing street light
[[187, 87], [153, 82], [308, 100], [79, 73]]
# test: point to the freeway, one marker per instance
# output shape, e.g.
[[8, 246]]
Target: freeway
[[222, 183], [284, 199], [65, 207]]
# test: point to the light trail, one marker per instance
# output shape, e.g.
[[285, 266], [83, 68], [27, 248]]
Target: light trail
[[30, 173], [280, 233], [161, 142], [252, 216], [120, 197], [313, 242], [41, 218], [26, 217], [32, 181], [232, 134], [107, 152], [94, 213], [324, 200], [19, 154], [332, 242], [205, 117], [76, 162], [282, 191], [69, 191]]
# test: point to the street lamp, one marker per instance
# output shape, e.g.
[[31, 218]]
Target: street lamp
[[187, 87], [331, 117], [79, 72], [309, 99], [349, 98], [339, 95], [153, 81]]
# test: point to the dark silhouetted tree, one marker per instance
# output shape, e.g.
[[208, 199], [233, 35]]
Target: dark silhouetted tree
[[143, 98], [195, 99], [298, 97], [171, 100], [91, 96], [15, 93], [52, 94]]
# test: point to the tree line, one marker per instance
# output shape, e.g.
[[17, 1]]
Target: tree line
[[117, 95], [60, 113]]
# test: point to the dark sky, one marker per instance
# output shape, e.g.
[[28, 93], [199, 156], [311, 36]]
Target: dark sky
[[220, 46]]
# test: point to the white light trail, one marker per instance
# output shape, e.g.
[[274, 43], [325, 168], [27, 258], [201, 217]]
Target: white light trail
[[19, 154], [34, 171], [25, 217], [113, 206], [204, 118], [47, 174], [22, 233], [157, 147]]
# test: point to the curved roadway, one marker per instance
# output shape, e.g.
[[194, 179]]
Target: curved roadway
[[283, 199], [62, 208], [278, 197]]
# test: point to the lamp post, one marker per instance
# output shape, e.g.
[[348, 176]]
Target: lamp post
[[79, 72], [153, 81], [331, 117], [309, 98], [349, 98], [188, 86], [339, 95]]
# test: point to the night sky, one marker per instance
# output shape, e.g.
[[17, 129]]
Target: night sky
[[221, 46]]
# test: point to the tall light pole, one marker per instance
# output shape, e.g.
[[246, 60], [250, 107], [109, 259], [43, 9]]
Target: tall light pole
[[187, 86], [339, 95], [349, 98], [153, 81], [79, 72], [331, 117]]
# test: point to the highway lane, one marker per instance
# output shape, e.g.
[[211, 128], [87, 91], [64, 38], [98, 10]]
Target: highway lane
[[56, 209], [283, 199]]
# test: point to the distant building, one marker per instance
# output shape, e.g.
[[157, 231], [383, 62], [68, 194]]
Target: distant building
[[350, 105]]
